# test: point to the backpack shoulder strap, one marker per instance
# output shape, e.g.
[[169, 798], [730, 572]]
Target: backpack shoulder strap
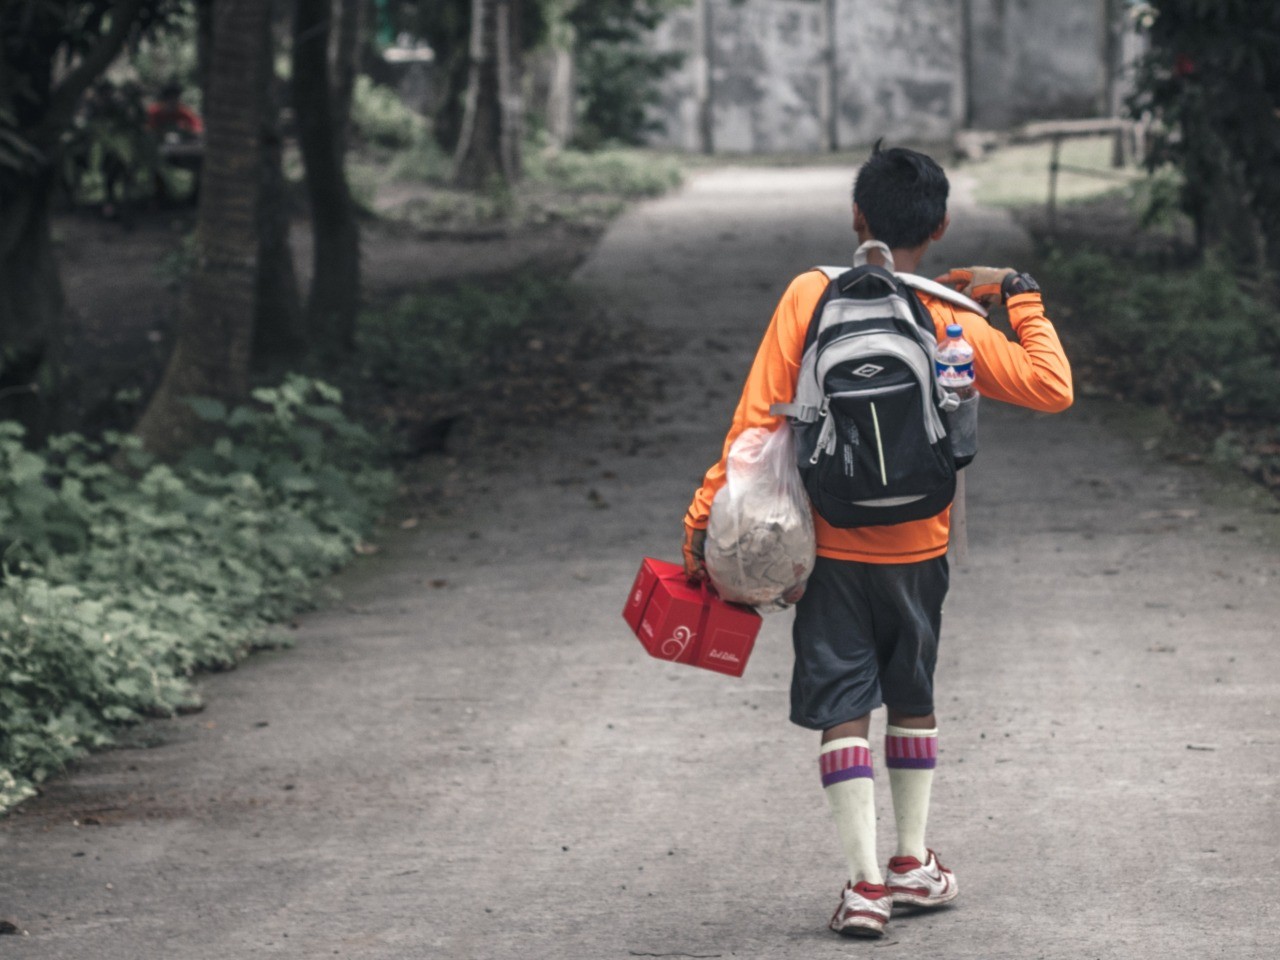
[[924, 285], [935, 289]]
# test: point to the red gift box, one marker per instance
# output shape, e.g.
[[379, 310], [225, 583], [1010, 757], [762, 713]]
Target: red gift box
[[684, 623]]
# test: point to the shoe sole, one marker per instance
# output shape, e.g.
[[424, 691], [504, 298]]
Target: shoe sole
[[860, 928], [926, 903]]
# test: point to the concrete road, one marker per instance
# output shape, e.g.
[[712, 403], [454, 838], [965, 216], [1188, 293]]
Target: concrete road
[[491, 768]]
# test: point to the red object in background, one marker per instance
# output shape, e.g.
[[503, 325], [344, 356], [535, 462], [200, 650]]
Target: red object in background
[[684, 623], [1183, 65], [165, 117]]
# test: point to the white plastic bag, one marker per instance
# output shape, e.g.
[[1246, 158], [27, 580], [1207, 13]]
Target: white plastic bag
[[760, 543]]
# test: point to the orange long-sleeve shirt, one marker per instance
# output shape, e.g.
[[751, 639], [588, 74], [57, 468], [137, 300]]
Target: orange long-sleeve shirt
[[1030, 373]]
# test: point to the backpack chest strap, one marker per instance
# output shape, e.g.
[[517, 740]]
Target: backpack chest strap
[[800, 412]]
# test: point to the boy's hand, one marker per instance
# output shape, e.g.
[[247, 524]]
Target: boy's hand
[[980, 283], [695, 567]]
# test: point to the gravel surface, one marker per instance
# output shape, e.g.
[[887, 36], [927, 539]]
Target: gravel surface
[[470, 757]]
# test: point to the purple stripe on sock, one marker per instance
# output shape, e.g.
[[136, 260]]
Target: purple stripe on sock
[[911, 763], [848, 773]]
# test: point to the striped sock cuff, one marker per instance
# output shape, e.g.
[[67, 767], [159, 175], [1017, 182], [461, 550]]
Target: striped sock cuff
[[845, 759], [906, 749]]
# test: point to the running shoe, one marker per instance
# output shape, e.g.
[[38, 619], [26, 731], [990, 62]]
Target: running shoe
[[864, 910], [916, 884]]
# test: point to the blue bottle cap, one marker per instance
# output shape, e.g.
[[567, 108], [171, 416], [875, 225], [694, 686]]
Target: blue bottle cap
[[954, 330]]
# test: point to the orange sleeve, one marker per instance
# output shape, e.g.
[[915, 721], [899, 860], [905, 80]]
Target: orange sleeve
[[1033, 372], [772, 380]]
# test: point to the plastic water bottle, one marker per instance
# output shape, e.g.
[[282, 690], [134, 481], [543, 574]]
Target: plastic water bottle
[[955, 364]]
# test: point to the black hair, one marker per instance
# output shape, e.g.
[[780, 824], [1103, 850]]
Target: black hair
[[172, 90], [902, 194]]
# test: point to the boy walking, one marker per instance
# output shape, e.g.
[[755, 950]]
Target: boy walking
[[866, 630]]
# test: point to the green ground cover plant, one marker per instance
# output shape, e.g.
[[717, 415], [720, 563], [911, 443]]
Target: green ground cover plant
[[1195, 341], [1191, 340], [123, 576], [440, 339], [486, 354]]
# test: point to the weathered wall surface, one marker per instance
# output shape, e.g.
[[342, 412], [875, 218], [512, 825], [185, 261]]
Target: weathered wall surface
[[764, 68], [759, 76], [1035, 60], [900, 68]]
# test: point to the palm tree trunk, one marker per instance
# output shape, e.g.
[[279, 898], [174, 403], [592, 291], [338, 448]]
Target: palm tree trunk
[[346, 50], [31, 304], [489, 141], [212, 354], [334, 300], [278, 332]]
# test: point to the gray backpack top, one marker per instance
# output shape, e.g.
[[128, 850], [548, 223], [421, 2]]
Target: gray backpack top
[[869, 417]]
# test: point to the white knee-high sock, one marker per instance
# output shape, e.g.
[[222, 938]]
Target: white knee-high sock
[[850, 790], [911, 756]]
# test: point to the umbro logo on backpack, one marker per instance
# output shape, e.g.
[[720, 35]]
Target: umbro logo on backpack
[[871, 439]]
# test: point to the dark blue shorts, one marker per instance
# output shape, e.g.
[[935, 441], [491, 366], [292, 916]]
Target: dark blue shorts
[[866, 634]]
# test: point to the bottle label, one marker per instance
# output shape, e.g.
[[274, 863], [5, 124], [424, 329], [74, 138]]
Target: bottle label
[[955, 374]]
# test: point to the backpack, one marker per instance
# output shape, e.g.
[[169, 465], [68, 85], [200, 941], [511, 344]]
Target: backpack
[[870, 420]]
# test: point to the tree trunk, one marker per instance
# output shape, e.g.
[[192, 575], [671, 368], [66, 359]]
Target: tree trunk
[[41, 87], [706, 91], [831, 56], [334, 300], [212, 354], [560, 94], [31, 304], [346, 51], [278, 333], [204, 45], [510, 52], [489, 141]]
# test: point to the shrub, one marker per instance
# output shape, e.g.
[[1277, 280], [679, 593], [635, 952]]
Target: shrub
[[1210, 79], [379, 116], [123, 576], [1195, 342], [437, 341]]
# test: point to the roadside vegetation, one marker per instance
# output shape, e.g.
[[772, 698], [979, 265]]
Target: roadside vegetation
[[123, 575], [179, 484], [1167, 278], [1146, 315]]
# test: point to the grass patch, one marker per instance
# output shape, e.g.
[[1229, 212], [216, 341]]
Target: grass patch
[[495, 355], [1018, 175], [442, 339], [625, 173], [413, 186]]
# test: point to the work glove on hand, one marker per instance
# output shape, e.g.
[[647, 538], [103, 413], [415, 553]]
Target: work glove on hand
[[989, 284], [695, 566], [978, 283]]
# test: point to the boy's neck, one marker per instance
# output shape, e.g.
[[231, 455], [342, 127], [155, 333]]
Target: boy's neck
[[905, 260]]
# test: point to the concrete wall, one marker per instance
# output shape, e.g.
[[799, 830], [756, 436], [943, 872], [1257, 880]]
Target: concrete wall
[[767, 76], [758, 75], [1036, 60], [901, 72]]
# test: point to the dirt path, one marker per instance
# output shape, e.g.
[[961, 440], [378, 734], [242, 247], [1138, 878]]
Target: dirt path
[[490, 768]]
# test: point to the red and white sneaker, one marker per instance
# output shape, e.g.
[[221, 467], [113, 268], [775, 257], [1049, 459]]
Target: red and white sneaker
[[916, 884], [864, 910]]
